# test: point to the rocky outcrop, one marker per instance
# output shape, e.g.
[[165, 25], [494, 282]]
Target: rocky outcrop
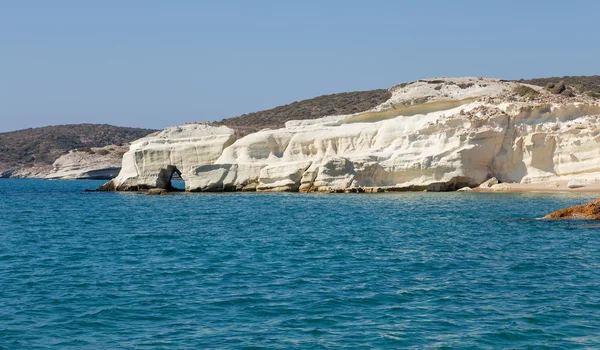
[[489, 183], [29, 171], [435, 135], [588, 211], [185, 150], [92, 163], [30, 153]]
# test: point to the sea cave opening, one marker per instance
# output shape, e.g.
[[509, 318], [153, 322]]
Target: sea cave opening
[[171, 179], [177, 183]]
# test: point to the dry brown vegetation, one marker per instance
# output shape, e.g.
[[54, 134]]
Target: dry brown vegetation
[[42, 146], [565, 85], [526, 91], [335, 104]]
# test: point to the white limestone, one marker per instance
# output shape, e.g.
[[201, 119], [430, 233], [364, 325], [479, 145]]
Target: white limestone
[[435, 135], [152, 160], [489, 183], [95, 163]]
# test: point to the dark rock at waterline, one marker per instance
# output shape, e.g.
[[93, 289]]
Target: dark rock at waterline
[[157, 191], [107, 187]]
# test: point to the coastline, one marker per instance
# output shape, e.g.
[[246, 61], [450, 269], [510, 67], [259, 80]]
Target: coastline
[[538, 187], [547, 187]]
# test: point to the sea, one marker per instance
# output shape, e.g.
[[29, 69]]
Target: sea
[[92, 270]]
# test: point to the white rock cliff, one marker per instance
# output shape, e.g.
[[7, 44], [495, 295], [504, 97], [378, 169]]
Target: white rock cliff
[[436, 135], [93, 163]]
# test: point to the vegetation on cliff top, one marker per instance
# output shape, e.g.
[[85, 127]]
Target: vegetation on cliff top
[[583, 84], [360, 101], [525, 91], [42, 146], [335, 104]]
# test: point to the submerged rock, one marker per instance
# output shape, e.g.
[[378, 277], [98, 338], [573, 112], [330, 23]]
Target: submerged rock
[[435, 135], [588, 211], [157, 192]]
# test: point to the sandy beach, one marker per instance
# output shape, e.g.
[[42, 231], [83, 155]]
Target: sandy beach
[[550, 186]]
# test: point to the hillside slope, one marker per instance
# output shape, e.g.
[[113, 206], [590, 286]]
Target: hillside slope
[[360, 101], [35, 149], [321, 106], [585, 84]]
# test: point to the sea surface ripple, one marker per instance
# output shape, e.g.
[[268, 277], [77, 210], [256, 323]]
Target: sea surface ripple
[[250, 270]]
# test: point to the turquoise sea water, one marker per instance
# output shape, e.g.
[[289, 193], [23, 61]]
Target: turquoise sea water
[[249, 270]]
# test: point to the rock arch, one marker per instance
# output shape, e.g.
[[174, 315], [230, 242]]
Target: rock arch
[[165, 176]]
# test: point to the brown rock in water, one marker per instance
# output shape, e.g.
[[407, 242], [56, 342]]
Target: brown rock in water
[[588, 211], [157, 191]]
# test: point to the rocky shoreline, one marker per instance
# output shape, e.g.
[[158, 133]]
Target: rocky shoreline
[[588, 211], [431, 135]]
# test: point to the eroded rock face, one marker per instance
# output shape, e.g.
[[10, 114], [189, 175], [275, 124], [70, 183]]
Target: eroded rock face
[[588, 211], [152, 161], [95, 163], [435, 135]]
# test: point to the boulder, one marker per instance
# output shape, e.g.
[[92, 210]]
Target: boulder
[[489, 183], [501, 187]]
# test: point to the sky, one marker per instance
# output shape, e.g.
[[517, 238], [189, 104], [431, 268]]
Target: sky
[[155, 64]]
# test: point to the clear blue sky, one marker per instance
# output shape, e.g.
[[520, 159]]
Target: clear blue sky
[[160, 63]]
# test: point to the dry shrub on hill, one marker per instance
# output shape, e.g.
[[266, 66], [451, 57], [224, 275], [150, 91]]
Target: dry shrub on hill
[[335, 104], [44, 145]]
